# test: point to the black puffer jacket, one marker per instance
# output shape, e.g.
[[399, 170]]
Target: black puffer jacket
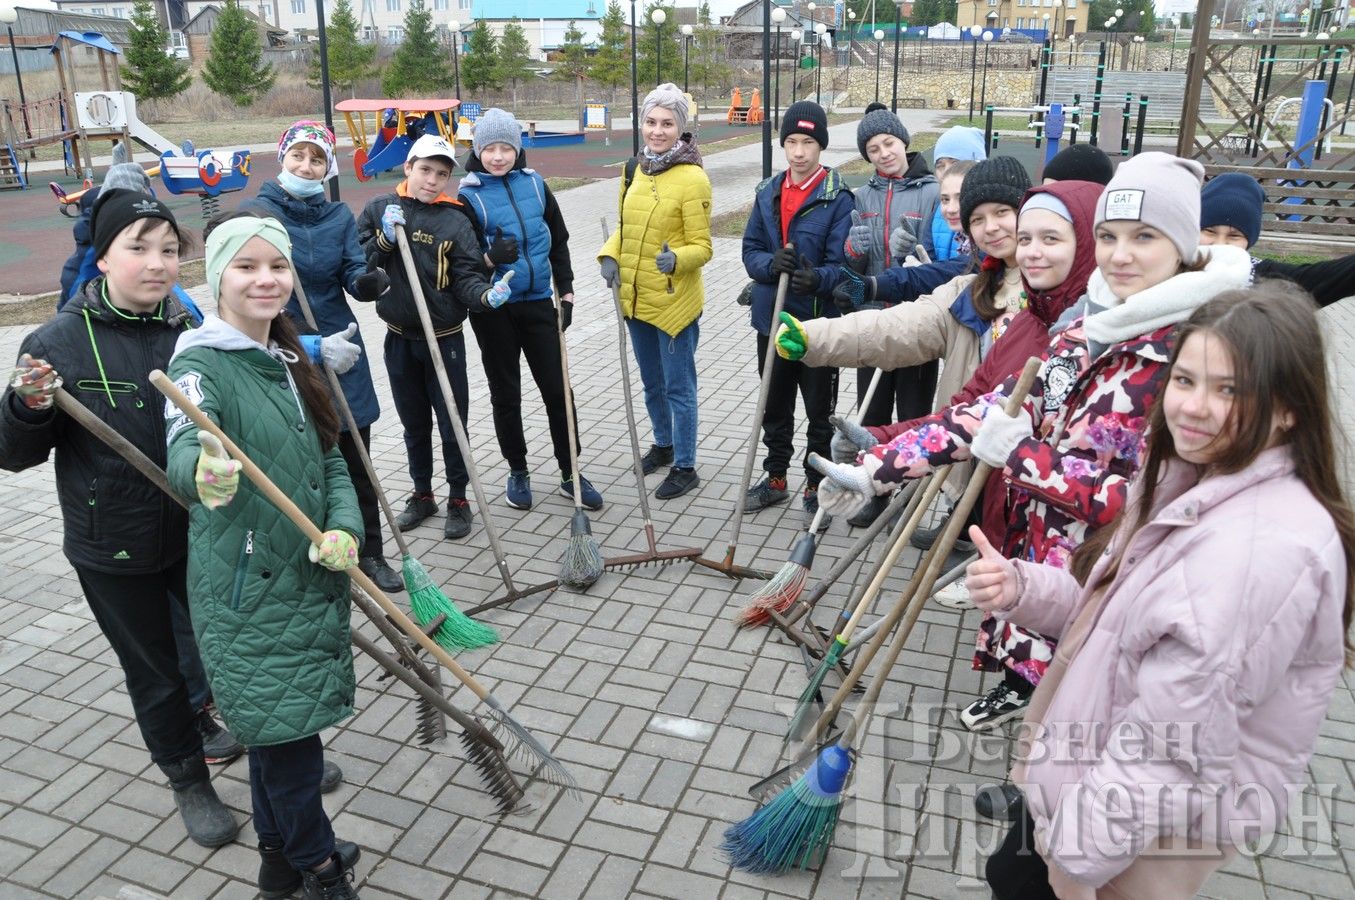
[[115, 520]]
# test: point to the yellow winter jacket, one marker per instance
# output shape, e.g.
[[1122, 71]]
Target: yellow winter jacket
[[668, 203]]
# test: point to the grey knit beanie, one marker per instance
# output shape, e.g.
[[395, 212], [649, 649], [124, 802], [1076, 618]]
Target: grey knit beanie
[[128, 177], [880, 121], [496, 126], [1159, 190], [670, 97]]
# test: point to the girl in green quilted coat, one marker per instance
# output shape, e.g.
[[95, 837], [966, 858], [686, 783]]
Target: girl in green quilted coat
[[270, 609]]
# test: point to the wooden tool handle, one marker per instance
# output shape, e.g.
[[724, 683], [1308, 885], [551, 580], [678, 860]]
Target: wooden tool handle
[[309, 529]]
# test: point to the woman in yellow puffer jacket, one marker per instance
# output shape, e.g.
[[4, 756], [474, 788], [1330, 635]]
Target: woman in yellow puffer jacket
[[655, 256]]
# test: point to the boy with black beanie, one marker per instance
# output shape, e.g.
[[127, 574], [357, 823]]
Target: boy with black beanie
[[443, 245], [809, 207]]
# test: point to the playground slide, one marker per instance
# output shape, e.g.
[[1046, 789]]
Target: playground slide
[[388, 156], [106, 112]]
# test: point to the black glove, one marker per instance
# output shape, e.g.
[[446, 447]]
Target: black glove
[[371, 285], [805, 280], [566, 314], [784, 261], [853, 291], [503, 250]]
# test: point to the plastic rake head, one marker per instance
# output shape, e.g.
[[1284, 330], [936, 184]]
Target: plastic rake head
[[458, 631]]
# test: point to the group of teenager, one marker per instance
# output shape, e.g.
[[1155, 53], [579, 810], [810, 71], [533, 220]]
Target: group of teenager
[[1163, 538]]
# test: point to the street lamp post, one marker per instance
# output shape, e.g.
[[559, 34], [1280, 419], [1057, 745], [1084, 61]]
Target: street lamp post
[[894, 94], [658, 17], [879, 51], [974, 32], [812, 29], [634, 93], [1119, 23], [455, 28], [778, 16], [9, 15], [983, 96], [686, 55], [851, 30], [819, 30]]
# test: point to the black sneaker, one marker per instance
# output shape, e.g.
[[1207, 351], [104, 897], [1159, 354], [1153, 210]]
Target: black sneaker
[[678, 482], [417, 508], [995, 707], [334, 884], [331, 776], [386, 578], [458, 518], [219, 746], [767, 492], [810, 502], [277, 878], [656, 458], [869, 513]]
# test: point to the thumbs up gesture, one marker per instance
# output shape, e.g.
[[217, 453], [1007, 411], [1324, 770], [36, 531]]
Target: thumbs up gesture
[[666, 260], [991, 579]]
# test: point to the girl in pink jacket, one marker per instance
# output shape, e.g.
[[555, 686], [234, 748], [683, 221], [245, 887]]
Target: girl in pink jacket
[[1201, 635]]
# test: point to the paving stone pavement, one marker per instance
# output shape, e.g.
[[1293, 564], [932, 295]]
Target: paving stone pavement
[[664, 712]]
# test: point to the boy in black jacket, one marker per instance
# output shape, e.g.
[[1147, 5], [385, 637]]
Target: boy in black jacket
[[447, 257]]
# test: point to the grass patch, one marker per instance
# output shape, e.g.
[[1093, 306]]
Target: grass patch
[[1292, 259], [40, 308], [558, 183], [1000, 123]]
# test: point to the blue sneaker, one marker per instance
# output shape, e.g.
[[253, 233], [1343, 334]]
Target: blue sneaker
[[587, 493], [519, 493]]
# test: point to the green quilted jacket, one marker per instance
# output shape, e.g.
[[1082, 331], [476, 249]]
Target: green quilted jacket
[[272, 626]]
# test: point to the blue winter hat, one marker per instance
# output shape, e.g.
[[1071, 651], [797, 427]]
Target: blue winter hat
[[960, 142], [1235, 199]]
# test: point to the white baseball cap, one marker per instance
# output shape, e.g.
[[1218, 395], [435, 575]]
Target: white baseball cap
[[432, 145]]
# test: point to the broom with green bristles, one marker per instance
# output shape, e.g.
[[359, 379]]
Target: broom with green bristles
[[458, 631]]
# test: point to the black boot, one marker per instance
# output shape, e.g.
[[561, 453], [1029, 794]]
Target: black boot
[[277, 878], [209, 822], [336, 883]]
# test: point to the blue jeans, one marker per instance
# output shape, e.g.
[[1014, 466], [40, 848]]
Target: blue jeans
[[668, 370]]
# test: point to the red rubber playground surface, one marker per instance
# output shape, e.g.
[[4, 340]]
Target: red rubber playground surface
[[37, 238]]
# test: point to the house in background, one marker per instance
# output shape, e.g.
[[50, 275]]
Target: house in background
[[1066, 17], [198, 32], [544, 23]]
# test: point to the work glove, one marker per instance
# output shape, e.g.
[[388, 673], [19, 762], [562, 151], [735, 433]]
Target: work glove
[[339, 351], [337, 551], [666, 260], [566, 313], [991, 579], [998, 436], [502, 250], [35, 382], [371, 285], [849, 439], [845, 490], [784, 261], [860, 238], [853, 291], [902, 240], [391, 216], [805, 280], [217, 475], [791, 340], [499, 293], [611, 272]]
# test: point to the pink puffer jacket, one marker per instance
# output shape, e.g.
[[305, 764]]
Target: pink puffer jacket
[[1206, 669]]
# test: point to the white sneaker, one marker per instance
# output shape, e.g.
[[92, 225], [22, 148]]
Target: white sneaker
[[993, 708], [954, 596]]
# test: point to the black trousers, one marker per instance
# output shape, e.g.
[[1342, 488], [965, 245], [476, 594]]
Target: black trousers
[[134, 613], [526, 328], [1017, 871], [367, 502], [902, 394], [817, 386], [284, 783], [418, 398]]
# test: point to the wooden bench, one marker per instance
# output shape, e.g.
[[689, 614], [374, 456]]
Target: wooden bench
[[913, 102], [1322, 208]]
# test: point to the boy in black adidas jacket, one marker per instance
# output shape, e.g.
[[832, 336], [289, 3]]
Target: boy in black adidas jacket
[[447, 257]]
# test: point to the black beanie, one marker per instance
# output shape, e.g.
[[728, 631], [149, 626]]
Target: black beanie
[[805, 117], [876, 122], [1235, 199], [1080, 162], [998, 179], [115, 210]]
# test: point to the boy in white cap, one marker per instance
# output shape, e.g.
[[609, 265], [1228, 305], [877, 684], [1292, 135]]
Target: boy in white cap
[[443, 245]]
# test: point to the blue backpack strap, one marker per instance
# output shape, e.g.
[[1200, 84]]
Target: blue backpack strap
[[182, 296]]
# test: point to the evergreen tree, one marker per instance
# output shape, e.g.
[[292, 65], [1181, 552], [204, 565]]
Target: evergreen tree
[[648, 75], [950, 11], [611, 62], [419, 65], [573, 63], [350, 60], [708, 55], [151, 73], [926, 12], [515, 56], [235, 68], [479, 64]]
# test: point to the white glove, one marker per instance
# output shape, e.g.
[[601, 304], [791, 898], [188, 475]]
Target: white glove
[[998, 436], [499, 292], [849, 439], [338, 351], [845, 490]]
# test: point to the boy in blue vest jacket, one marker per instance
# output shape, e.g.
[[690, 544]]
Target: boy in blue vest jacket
[[810, 207], [521, 230], [446, 254]]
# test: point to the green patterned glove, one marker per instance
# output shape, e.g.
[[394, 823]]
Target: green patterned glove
[[791, 341]]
